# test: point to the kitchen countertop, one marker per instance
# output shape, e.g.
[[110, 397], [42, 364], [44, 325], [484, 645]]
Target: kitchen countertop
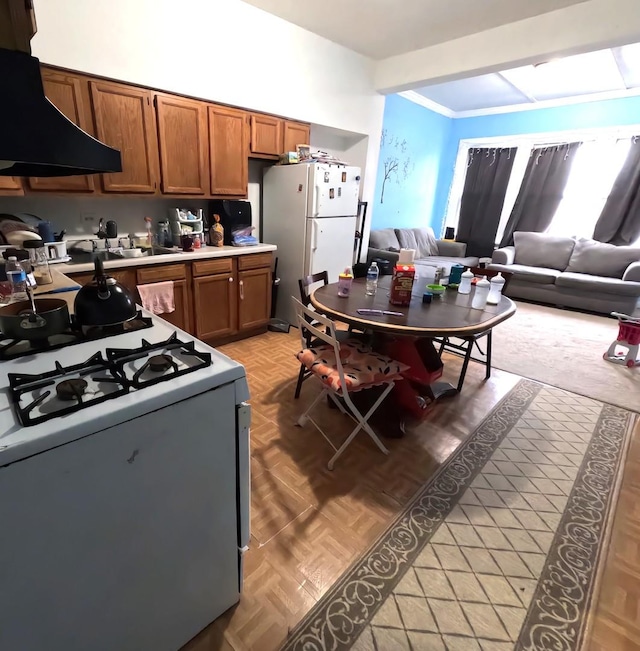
[[164, 258]]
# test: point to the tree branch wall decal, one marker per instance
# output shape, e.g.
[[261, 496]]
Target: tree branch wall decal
[[397, 162]]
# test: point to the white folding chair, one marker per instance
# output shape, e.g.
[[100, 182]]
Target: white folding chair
[[323, 328]]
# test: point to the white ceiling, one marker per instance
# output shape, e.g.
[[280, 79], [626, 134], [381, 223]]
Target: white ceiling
[[384, 28], [611, 72]]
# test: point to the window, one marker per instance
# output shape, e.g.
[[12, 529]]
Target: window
[[594, 170]]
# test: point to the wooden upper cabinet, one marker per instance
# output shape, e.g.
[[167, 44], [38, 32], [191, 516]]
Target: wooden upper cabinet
[[183, 140], [229, 158], [69, 94], [266, 135], [295, 133], [124, 119], [10, 185]]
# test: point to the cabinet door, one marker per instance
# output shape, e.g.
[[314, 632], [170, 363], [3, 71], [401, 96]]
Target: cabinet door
[[295, 133], [254, 292], [124, 120], [69, 95], [182, 137], [181, 317], [11, 185], [215, 306], [266, 135], [228, 151]]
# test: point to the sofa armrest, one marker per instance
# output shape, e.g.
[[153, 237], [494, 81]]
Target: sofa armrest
[[506, 255], [449, 249], [392, 256], [632, 272]]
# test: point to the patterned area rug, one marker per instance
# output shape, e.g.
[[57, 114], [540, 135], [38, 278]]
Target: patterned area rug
[[500, 550]]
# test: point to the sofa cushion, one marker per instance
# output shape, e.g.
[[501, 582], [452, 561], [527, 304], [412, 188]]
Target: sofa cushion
[[384, 239], [539, 275], [598, 284], [421, 239], [600, 259], [543, 250], [447, 263]]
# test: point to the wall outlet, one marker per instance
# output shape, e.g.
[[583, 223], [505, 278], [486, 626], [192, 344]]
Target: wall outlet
[[88, 217]]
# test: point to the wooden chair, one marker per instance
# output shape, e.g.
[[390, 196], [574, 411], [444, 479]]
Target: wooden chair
[[331, 371], [463, 346], [303, 287]]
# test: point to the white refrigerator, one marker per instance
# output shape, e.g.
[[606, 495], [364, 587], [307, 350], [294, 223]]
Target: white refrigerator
[[309, 212]]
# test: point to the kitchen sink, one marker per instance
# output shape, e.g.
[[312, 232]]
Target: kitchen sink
[[83, 257]]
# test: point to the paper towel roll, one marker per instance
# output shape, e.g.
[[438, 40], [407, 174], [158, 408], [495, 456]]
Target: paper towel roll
[[407, 256]]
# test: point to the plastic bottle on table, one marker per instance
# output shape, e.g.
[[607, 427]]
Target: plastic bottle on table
[[495, 293], [372, 279], [480, 295], [17, 276], [465, 282], [344, 282]]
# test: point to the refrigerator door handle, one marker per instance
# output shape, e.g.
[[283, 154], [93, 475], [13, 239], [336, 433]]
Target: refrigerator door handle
[[316, 203], [314, 244]]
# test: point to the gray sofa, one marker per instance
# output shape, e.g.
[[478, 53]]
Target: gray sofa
[[579, 273], [387, 242]]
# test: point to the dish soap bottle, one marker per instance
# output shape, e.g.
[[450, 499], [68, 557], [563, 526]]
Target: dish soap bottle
[[495, 293], [216, 232], [465, 282]]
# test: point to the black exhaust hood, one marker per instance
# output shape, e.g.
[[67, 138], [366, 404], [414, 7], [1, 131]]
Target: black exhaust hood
[[35, 138]]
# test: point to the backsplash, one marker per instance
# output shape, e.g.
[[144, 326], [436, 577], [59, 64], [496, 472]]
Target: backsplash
[[79, 215]]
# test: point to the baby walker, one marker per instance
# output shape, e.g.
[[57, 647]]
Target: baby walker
[[628, 340]]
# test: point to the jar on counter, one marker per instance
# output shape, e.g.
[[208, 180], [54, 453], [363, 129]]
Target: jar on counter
[[39, 261]]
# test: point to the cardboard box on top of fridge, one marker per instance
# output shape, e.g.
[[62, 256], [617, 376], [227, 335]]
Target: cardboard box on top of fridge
[[402, 284]]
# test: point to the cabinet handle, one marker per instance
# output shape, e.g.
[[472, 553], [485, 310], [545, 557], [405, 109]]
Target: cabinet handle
[[230, 279], [242, 290]]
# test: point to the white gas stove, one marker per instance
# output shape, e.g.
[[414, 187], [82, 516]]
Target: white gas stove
[[124, 491]]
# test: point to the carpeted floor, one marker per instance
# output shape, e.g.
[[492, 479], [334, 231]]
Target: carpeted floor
[[564, 349], [500, 550]]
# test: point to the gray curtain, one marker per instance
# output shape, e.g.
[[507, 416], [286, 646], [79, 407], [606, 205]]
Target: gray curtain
[[619, 221], [541, 190], [485, 186]]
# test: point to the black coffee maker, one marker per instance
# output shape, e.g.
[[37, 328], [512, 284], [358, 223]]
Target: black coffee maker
[[234, 214]]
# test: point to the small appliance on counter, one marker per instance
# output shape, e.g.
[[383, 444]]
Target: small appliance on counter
[[235, 216]]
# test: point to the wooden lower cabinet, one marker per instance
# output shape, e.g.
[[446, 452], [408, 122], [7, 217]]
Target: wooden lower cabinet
[[11, 185], [215, 306], [254, 292], [216, 298]]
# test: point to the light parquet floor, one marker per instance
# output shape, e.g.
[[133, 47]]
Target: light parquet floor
[[308, 523]]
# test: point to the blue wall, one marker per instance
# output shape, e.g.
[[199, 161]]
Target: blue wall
[[413, 144], [433, 140]]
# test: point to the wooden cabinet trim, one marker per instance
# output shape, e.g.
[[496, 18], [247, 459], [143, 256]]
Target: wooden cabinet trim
[[212, 266], [160, 273], [255, 261]]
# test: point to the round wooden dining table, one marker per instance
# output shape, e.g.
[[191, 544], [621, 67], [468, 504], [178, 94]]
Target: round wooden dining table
[[408, 336]]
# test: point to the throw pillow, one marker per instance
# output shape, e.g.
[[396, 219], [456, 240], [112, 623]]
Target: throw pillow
[[421, 239], [542, 250], [600, 259], [384, 239]]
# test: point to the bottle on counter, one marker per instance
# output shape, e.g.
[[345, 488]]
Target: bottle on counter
[[495, 293], [373, 273], [17, 276], [39, 261], [344, 282], [465, 282], [480, 294]]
